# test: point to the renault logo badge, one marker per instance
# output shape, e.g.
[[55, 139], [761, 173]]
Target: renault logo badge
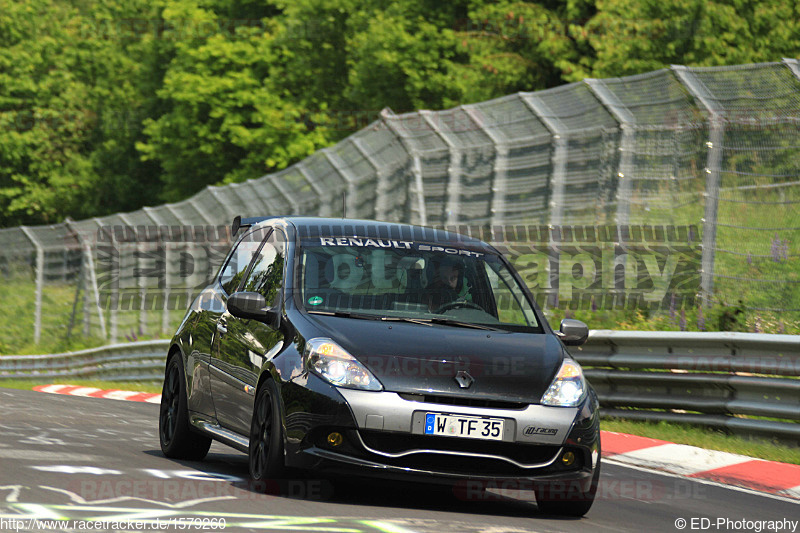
[[464, 380]]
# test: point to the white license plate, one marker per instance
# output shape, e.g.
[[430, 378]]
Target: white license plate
[[464, 426]]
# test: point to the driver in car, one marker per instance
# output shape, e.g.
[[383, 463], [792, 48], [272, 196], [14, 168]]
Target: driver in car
[[445, 287]]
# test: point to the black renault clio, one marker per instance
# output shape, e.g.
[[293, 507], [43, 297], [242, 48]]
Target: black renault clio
[[381, 349]]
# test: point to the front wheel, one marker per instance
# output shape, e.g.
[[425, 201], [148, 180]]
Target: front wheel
[[178, 441], [567, 498], [266, 436]]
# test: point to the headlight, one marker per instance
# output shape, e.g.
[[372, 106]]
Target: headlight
[[568, 388], [332, 362]]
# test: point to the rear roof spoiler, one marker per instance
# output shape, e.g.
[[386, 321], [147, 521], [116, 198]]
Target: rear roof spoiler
[[239, 223]]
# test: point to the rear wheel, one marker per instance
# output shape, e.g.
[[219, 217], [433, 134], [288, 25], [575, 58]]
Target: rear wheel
[[266, 437], [178, 441], [567, 498]]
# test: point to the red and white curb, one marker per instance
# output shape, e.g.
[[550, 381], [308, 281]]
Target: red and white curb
[[91, 392], [781, 479]]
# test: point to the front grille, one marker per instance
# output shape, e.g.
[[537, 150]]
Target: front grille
[[463, 401], [451, 464], [388, 442]]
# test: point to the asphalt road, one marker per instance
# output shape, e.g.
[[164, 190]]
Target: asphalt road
[[73, 458]]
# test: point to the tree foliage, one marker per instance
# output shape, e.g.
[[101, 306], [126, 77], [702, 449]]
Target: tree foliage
[[108, 106], [224, 119], [633, 36]]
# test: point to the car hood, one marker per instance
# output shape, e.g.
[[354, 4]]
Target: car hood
[[426, 359]]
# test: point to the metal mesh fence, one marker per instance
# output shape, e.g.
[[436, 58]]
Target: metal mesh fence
[[714, 148], [758, 197]]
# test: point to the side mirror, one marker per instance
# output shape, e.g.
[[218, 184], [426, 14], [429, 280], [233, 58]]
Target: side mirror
[[573, 332], [251, 305]]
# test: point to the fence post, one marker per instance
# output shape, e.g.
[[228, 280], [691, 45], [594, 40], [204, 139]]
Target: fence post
[[416, 168], [92, 280], [87, 301], [381, 177], [245, 207], [793, 65], [65, 262], [113, 284], [192, 202], [497, 208], [139, 278], [90, 277], [37, 321], [189, 292], [286, 194], [149, 211], [351, 200], [452, 207], [268, 204], [627, 123], [325, 208], [559, 178], [714, 166]]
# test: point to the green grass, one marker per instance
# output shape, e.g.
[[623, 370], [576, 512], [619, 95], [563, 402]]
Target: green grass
[[137, 386], [61, 332], [706, 438], [740, 305], [713, 318]]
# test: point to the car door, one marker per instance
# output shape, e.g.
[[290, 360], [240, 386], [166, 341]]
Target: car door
[[208, 307], [228, 282], [244, 344]]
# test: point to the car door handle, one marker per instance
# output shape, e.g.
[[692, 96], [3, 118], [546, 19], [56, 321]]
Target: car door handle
[[221, 329]]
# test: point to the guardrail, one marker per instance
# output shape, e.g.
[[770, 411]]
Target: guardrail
[[134, 361], [746, 383]]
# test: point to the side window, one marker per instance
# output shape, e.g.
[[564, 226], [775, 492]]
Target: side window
[[266, 277], [512, 306], [237, 263]]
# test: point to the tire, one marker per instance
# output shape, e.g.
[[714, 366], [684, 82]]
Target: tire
[[178, 440], [554, 499], [266, 438]]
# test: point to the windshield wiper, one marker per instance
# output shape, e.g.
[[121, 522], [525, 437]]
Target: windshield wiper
[[459, 323], [424, 321], [367, 316], [345, 314]]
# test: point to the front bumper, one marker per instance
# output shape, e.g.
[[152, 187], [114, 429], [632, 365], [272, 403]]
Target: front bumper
[[387, 439], [333, 463], [388, 411]]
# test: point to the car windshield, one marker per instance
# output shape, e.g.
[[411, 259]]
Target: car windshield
[[420, 282]]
